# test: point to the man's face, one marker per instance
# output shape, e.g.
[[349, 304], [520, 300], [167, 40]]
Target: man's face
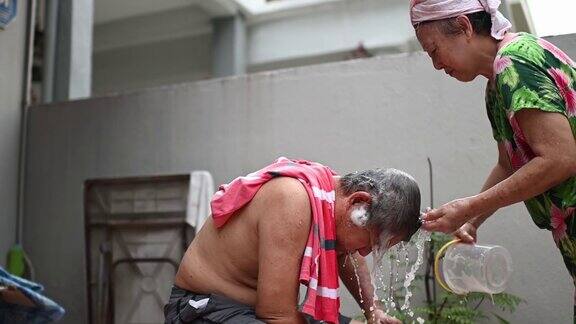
[[378, 240], [352, 234], [353, 238]]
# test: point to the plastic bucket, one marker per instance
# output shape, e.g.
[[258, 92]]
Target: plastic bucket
[[468, 268]]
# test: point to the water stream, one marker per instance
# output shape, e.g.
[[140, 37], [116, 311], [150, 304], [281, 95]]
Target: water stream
[[400, 264]]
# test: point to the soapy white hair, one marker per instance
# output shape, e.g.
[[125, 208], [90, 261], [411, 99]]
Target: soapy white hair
[[395, 204]]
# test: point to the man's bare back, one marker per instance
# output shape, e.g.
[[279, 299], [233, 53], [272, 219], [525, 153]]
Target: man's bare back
[[273, 227]]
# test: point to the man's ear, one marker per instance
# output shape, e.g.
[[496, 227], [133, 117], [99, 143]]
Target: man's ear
[[360, 197]]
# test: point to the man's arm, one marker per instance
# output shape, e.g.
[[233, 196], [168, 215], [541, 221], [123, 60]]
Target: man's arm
[[365, 295], [282, 233]]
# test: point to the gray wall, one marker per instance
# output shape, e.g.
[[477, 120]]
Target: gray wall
[[12, 49], [335, 28], [152, 64], [152, 50], [391, 112]]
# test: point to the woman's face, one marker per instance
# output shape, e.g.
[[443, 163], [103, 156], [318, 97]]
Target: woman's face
[[452, 53]]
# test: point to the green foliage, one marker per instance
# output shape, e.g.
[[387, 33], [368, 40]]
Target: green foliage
[[465, 309], [507, 302], [461, 315]]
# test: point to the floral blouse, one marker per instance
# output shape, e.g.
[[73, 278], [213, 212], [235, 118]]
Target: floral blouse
[[531, 73]]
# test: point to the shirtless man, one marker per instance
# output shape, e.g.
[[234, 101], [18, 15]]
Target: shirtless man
[[249, 269]]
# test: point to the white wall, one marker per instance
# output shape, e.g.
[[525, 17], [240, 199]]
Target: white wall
[[380, 112], [12, 56], [338, 28]]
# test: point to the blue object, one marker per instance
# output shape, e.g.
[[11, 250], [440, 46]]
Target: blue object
[[7, 12], [46, 311]]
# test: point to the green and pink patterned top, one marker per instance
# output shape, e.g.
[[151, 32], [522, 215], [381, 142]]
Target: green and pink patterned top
[[531, 73]]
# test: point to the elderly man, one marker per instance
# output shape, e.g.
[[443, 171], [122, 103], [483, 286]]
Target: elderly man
[[291, 223]]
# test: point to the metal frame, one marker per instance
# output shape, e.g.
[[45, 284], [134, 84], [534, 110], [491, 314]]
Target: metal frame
[[111, 229]]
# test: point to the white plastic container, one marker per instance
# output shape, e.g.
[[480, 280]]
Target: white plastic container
[[475, 268]]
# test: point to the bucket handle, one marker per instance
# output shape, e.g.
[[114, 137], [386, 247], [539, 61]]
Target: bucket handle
[[439, 279]]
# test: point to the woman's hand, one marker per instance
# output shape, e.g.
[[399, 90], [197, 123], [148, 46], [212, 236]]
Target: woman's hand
[[449, 217], [466, 233]]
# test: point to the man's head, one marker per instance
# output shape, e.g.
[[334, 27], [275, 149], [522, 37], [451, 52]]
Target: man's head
[[376, 208]]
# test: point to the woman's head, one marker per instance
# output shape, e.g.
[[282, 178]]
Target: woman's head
[[453, 43], [458, 33]]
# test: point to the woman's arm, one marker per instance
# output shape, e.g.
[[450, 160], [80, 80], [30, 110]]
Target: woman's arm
[[550, 137], [501, 171]]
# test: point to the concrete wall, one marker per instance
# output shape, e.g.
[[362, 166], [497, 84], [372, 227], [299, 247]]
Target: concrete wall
[[175, 45], [152, 64], [12, 56], [152, 50], [335, 29], [380, 112]]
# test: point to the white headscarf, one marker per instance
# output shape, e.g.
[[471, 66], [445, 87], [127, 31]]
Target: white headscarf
[[427, 10]]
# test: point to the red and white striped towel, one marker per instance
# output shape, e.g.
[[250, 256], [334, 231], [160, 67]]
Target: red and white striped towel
[[319, 270]]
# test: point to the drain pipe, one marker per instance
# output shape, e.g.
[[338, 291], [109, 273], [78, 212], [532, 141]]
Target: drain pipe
[[26, 100], [49, 57]]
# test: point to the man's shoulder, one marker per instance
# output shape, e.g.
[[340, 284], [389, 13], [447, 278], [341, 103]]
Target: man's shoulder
[[286, 201], [286, 191]]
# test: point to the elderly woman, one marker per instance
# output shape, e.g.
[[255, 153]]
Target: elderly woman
[[531, 105]]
